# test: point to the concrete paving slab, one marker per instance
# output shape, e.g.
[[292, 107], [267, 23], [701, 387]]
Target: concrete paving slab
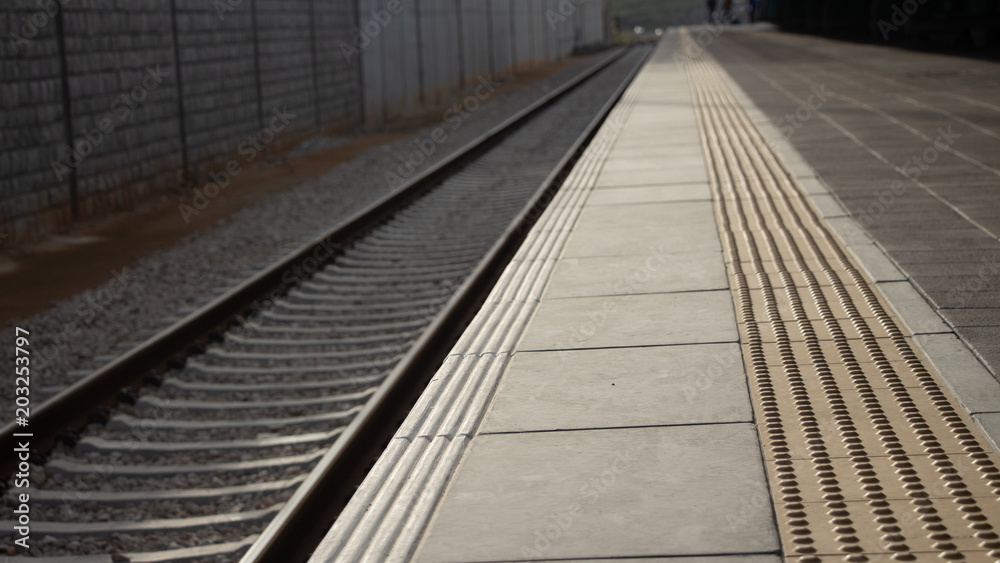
[[650, 194], [611, 230], [687, 128], [635, 239], [990, 355], [972, 317], [696, 559], [989, 424], [956, 296], [874, 263], [983, 269], [812, 185], [677, 155], [633, 492], [911, 309], [676, 174], [655, 271], [680, 141], [673, 138], [667, 112], [649, 149], [955, 282], [970, 382], [669, 104], [684, 149], [632, 320], [915, 238], [687, 214], [665, 104], [681, 131], [657, 127], [849, 231], [648, 123], [827, 206], [621, 387]]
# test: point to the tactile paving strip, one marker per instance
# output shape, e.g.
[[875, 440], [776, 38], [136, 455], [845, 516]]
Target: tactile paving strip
[[868, 456]]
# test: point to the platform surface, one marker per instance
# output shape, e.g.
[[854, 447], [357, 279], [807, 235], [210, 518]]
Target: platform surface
[[909, 142], [623, 425], [619, 423]]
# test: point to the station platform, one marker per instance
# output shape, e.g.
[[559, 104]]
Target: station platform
[[698, 355]]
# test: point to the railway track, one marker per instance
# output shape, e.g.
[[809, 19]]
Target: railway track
[[287, 386]]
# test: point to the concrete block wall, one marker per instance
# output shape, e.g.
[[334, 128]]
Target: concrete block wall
[[106, 103], [438, 60], [287, 63], [522, 34], [338, 79], [31, 116], [122, 81], [217, 60], [474, 37], [502, 37], [420, 52], [160, 94]]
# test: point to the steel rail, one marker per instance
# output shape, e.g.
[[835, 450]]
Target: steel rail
[[308, 514], [70, 407]]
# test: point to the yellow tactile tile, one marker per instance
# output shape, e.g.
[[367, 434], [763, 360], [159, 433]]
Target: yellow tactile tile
[[868, 456]]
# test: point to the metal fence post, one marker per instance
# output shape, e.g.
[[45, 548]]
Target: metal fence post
[[256, 63], [74, 198], [181, 115]]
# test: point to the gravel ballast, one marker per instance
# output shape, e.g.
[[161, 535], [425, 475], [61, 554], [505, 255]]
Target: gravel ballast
[[216, 426], [168, 284]]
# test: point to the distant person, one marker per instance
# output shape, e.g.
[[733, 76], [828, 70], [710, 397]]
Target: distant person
[[711, 11], [727, 11], [752, 11]]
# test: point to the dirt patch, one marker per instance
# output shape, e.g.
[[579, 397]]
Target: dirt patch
[[89, 254]]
